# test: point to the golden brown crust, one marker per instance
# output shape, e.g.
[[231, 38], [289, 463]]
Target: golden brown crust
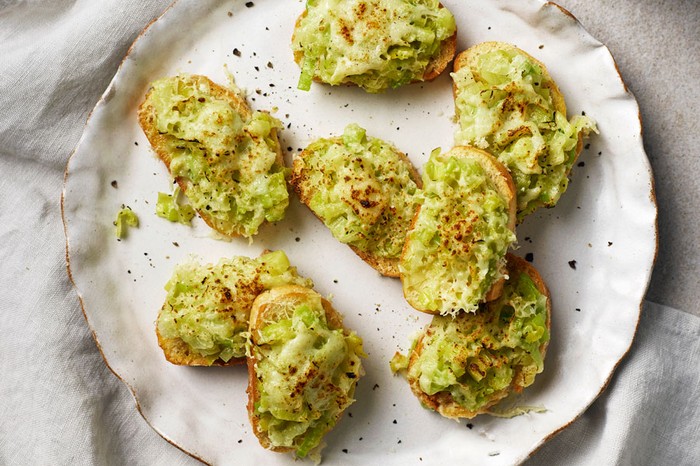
[[178, 352], [437, 65], [146, 118], [443, 402], [258, 313], [504, 182], [385, 266]]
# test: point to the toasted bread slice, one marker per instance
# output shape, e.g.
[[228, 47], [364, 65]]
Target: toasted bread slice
[[454, 254], [363, 49], [362, 188], [204, 320], [508, 104], [218, 151], [303, 367], [485, 345]]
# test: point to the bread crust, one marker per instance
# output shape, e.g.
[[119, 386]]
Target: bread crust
[[147, 117], [258, 313], [385, 266], [436, 66], [443, 402], [500, 175]]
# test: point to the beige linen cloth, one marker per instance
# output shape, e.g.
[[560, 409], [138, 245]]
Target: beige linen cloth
[[60, 405]]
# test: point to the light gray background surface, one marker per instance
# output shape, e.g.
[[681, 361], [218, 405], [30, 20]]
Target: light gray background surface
[[61, 405], [657, 48]]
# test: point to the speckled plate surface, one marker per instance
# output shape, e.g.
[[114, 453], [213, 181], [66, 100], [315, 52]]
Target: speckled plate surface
[[595, 249]]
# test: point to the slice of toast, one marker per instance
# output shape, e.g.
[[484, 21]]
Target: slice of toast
[[540, 178], [218, 122], [204, 319], [469, 58], [363, 12], [454, 254], [480, 325], [303, 367], [366, 198]]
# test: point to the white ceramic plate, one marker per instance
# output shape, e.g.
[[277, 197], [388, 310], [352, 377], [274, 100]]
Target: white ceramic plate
[[605, 223]]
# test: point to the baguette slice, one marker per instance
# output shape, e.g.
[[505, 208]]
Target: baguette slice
[[518, 115], [303, 367], [368, 16], [364, 190], [204, 320], [218, 151], [484, 357], [454, 255]]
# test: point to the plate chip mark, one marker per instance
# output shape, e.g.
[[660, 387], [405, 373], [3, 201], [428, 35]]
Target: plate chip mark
[[572, 264]]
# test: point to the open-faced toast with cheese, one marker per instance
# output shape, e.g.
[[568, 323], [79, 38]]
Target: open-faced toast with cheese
[[462, 366], [454, 255], [373, 44], [364, 190], [508, 104], [303, 367], [204, 320], [225, 157]]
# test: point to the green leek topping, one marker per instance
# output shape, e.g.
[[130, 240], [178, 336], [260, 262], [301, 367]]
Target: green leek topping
[[125, 218], [476, 357], [207, 306], [454, 253], [375, 44], [170, 208], [227, 157], [307, 373], [361, 189]]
